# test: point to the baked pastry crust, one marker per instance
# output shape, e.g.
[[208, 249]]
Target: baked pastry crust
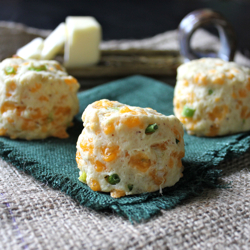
[[37, 99], [212, 97], [116, 142]]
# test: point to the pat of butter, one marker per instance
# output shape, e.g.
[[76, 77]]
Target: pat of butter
[[32, 50], [54, 43], [82, 42]]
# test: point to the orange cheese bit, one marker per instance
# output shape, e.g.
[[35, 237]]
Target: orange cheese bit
[[99, 166], [185, 83], [158, 177], [248, 84], [11, 106], [200, 79], [132, 122], [28, 124], [230, 76], [103, 104], [87, 146], [7, 106], [178, 106], [63, 97], [126, 109], [59, 67], [212, 71], [19, 110], [78, 157], [109, 129], [43, 98], [127, 154], [94, 185], [3, 131], [117, 193], [234, 95], [170, 162], [35, 88], [162, 146], [62, 111], [70, 81], [219, 112], [242, 93], [243, 112], [181, 155], [36, 114], [235, 70], [61, 133], [140, 161], [176, 133], [10, 120], [12, 86], [219, 80], [97, 132], [217, 99], [110, 153], [184, 120], [218, 64]]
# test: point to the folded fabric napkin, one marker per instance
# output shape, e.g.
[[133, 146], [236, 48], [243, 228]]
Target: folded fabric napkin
[[52, 160]]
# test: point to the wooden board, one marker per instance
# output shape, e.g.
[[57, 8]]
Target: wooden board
[[114, 63]]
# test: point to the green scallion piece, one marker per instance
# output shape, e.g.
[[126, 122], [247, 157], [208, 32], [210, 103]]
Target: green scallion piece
[[10, 70], [130, 187], [151, 128], [83, 177], [50, 117], [210, 91], [41, 68], [113, 179], [187, 112], [114, 108]]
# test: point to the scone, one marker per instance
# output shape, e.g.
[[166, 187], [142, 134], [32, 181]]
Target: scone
[[212, 97], [129, 150], [37, 99]]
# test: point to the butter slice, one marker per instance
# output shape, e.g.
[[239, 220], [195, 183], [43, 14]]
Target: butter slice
[[54, 43], [32, 50], [82, 42]]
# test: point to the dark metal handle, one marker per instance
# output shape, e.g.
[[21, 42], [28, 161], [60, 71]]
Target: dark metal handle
[[199, 18]]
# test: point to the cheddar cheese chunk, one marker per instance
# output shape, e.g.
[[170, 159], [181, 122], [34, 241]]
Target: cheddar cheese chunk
[[54, 43], [212, 97], [129, 150], [37, 99], [32, 50], [82, 42]]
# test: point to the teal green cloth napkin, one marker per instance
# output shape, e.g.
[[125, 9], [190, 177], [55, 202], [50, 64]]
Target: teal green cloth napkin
[[52, 160]]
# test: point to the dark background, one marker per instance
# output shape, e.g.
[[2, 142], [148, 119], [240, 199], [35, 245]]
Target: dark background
[[122, 19]]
